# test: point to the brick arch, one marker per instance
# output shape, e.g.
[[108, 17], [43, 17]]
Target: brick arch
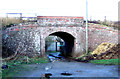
[[69, 41], [69, 32], [78, 44]]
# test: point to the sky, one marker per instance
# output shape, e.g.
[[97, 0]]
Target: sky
[[97, 9]]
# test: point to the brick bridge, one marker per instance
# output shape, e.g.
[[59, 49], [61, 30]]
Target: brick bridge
[[67, 28], [31, 38]]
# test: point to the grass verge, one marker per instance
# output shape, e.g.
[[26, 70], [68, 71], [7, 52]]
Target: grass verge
[[13, 70], [107, 61], [15, 67]]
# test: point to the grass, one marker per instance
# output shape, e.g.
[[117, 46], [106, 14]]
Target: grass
[[15, 66], [13, 70], [38, 60], [107, 61]]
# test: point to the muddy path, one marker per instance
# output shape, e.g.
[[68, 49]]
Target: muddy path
[[75, 69]]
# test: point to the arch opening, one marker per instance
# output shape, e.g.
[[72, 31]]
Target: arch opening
[[67, 45]]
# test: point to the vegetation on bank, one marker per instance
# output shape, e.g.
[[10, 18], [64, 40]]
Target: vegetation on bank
[[10, 21], [106, 61], [27, 60], [105, 53], [15, 66], [13, 70], [114, 24], [89, 57], [101, 61]]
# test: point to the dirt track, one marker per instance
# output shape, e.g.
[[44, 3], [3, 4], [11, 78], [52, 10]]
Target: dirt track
[[77, 69]]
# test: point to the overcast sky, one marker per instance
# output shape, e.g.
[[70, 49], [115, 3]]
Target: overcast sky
[[97, 9]]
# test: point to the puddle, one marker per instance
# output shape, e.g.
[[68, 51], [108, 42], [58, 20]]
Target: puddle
[[66, 74], [47, 75]]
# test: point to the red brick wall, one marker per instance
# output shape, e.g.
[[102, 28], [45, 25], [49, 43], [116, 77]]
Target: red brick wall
[[54, 20]]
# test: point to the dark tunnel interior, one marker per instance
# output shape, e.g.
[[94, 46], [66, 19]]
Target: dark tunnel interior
[[69, 42]]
